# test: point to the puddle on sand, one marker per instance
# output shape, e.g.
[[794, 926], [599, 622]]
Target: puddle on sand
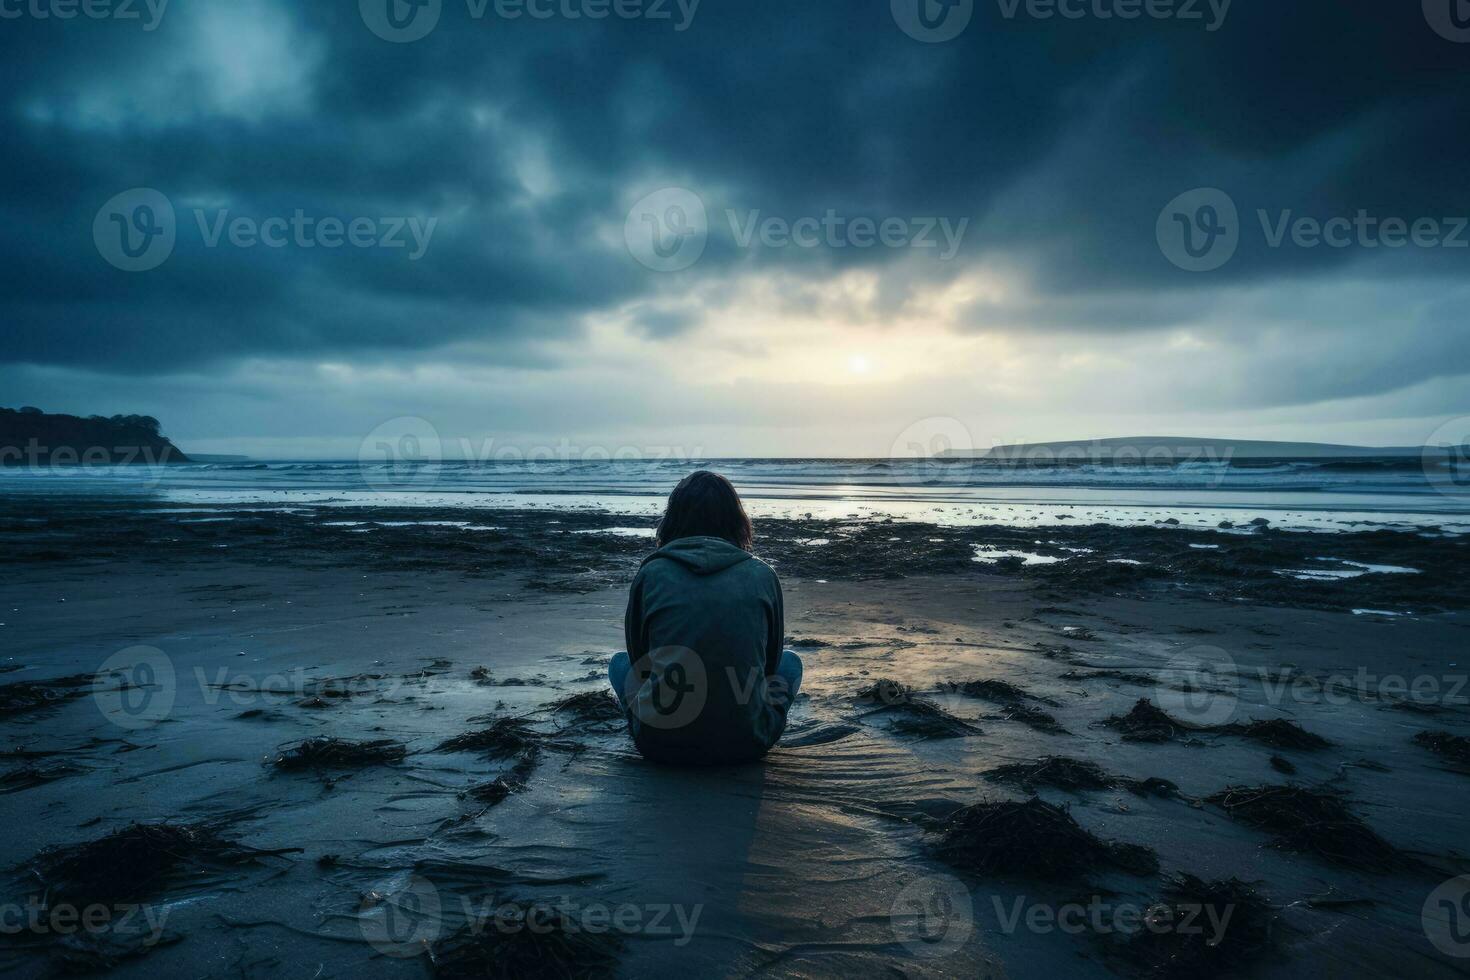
[[987, 555], [621, 532], [1353, 569]]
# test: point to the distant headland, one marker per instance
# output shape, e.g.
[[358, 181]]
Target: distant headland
[[1176, 448], [31, 437]]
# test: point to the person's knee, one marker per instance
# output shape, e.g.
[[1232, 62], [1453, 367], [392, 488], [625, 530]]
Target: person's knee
[[787, 680], [617, 674]]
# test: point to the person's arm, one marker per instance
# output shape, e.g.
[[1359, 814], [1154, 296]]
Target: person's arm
[[634, 634], [776, 639]]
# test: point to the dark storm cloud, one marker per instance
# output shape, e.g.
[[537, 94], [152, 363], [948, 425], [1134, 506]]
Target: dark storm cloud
[[526, 141]]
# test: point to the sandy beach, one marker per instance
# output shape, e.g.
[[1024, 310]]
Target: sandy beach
[[203, 649]]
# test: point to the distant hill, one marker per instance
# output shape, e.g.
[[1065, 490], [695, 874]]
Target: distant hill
[[31, 437], [1141, 448]]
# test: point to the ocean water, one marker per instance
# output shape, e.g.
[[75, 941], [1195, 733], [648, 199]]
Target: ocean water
[[1316, 494]]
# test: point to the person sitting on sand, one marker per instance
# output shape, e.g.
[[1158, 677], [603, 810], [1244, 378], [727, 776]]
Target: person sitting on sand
[[705, 679]]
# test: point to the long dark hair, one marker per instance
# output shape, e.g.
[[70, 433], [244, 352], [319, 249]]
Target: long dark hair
[[705, 505]]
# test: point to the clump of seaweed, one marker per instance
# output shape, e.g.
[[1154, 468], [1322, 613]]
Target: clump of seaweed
[[1000, 692], [258, 714], [1153, 786], [1033, 717], [331, 690], [1311, 821], [1056, 611], [926, 720], [138, 861], [24, 696], [1279, 734], [1148, 723], [588, 709], [503, 738], [1455, 748], [31, 776], [324, 752], [1074, 775], [1108, 674], [511, 682], [20, 753], [525, 940], [912, 714], [1054, 770], [885, 692], [1012, 699], [494, 792], [1202, 929], [497, 790], [1035, 839]]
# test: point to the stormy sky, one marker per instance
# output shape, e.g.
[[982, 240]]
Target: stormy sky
[[737, 228]]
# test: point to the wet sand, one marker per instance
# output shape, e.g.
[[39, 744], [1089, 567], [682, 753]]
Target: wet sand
[[819, 862]]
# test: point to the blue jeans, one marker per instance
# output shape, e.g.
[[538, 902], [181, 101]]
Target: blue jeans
[[789, 670]]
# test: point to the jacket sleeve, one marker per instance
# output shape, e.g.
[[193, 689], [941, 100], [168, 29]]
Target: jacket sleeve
[[776, 639], [635, 635]]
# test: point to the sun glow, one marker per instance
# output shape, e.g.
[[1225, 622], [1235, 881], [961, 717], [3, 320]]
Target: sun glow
[[766, 329]]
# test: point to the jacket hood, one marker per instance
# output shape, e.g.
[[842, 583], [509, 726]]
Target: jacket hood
[[702, 556]]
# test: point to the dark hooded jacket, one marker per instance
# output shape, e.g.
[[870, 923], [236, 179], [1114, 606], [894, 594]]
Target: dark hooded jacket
[[704, 628]]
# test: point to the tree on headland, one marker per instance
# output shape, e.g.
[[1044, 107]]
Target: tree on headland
[[29, 436], [145, 422]]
